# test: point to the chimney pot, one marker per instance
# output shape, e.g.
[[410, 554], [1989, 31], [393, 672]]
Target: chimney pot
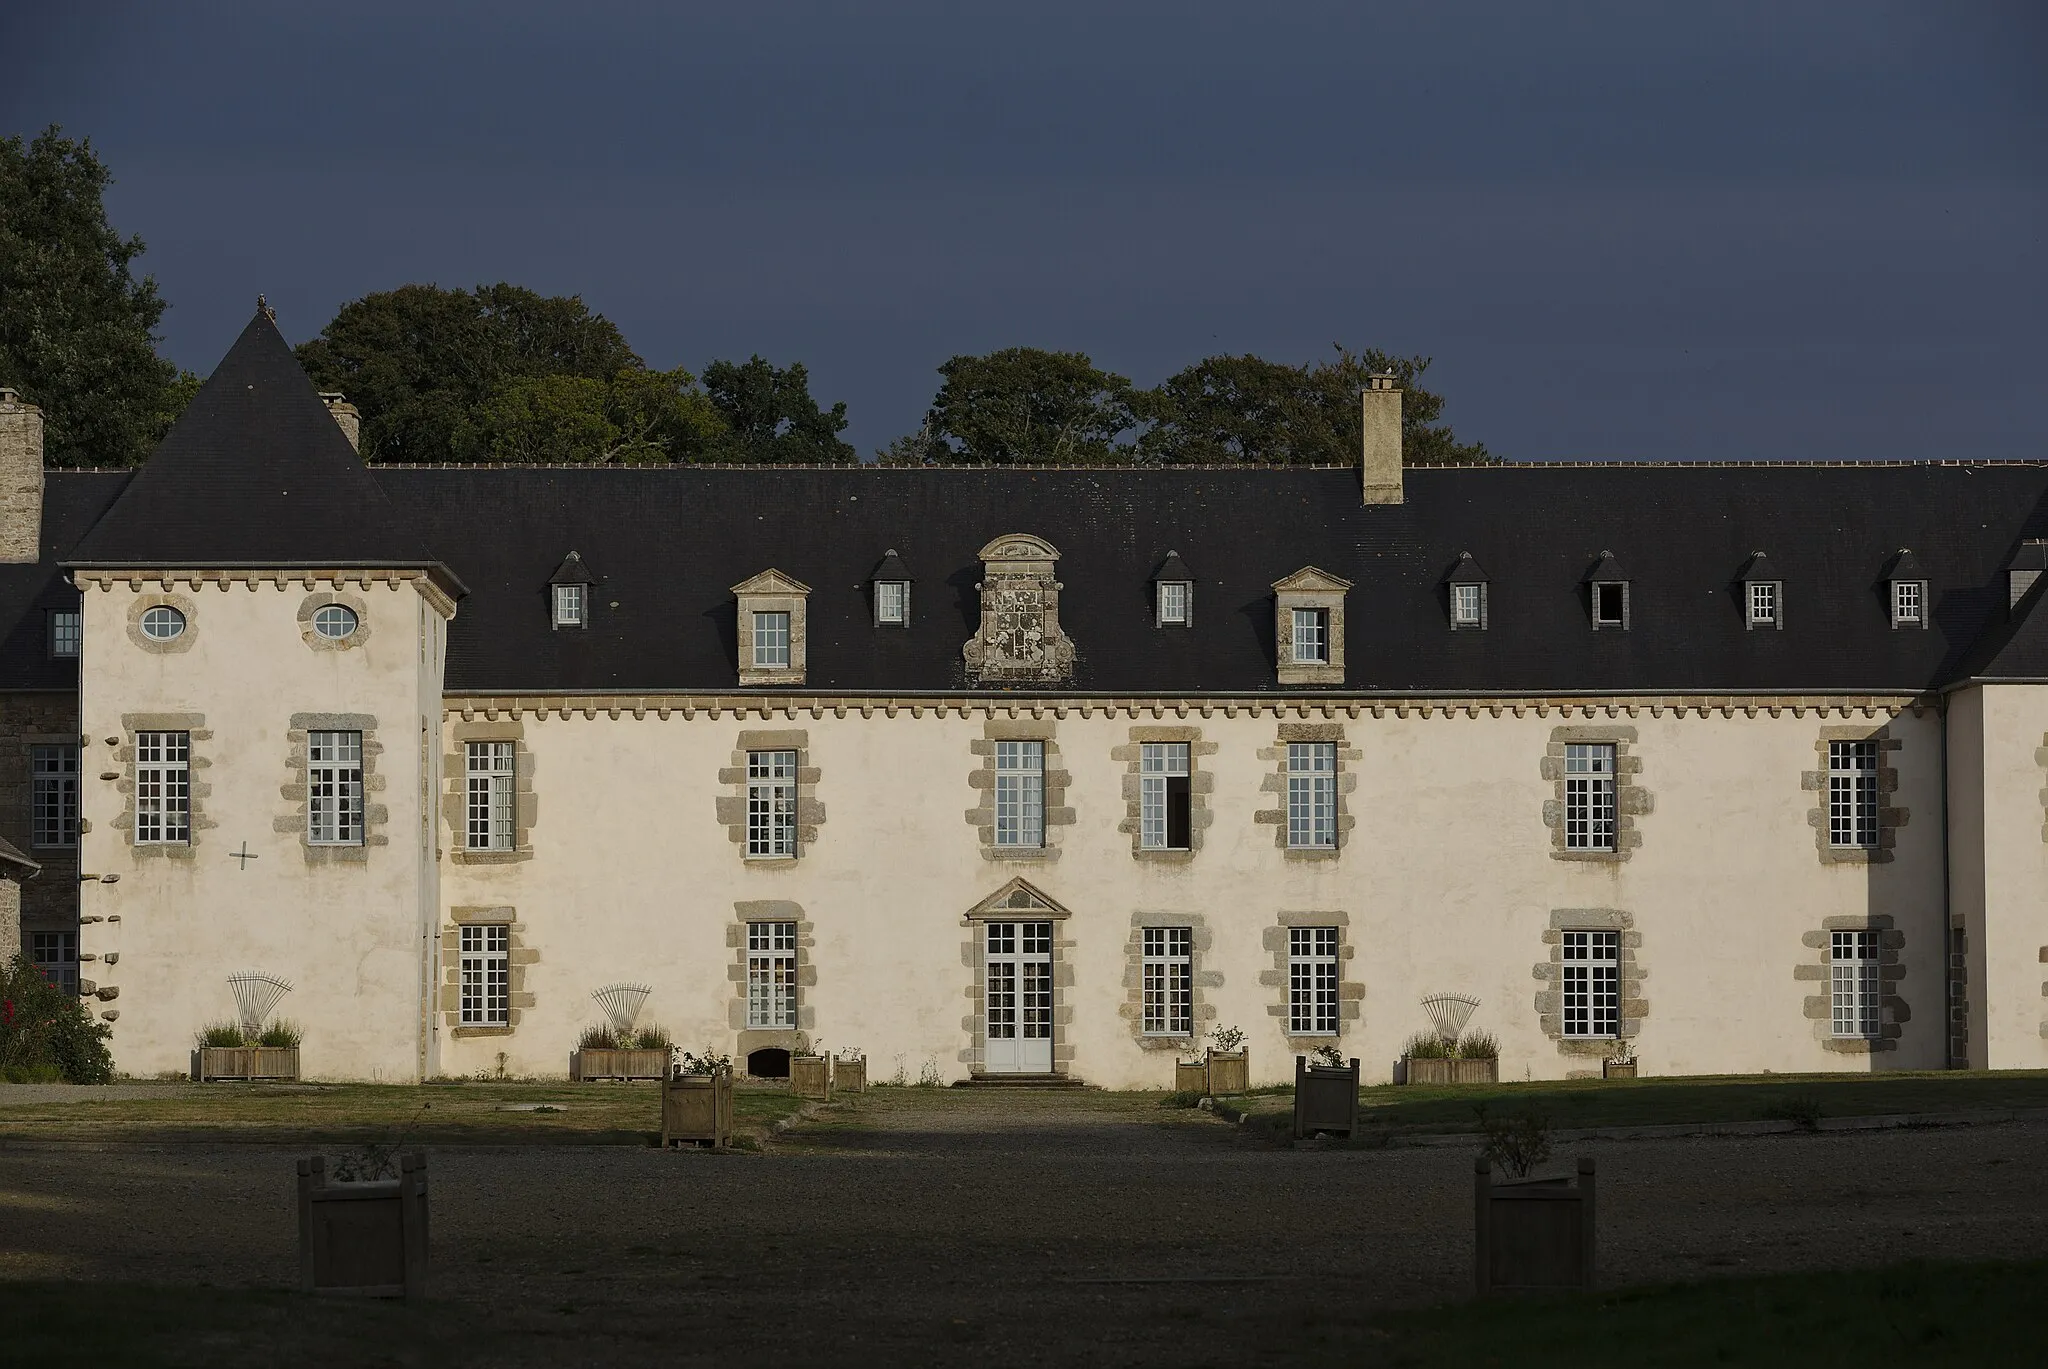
[[346, 416]]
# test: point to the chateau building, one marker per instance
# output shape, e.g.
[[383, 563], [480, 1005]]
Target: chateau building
[[1024, 771]]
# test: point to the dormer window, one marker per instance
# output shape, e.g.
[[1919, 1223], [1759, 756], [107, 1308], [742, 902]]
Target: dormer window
[[569, 605], [1608, 587], [1309, 631], [1311, 636], [1908, 584], [890, 584], [1467, 584], [1763, 595], [771, 628], [1173, 593]]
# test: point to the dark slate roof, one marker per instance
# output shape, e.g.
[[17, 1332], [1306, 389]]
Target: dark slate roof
[[1606, 570], [572, 571], [1757, 568], [256, 473], [890, 567], [1173, 569], [1466, 572], [675, 539], [73, 500], [11, 856]]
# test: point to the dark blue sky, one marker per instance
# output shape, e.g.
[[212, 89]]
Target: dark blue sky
[[1653, 231]]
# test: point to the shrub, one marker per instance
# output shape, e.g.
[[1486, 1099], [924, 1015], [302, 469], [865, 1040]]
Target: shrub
[[283, 1032], [598, 1037], [710, 1062], [219, 1034], [1227, 1038], [1479, 1045], [45, 1029], [1803, 1110], [652, 1038], [1182, 1098], [1426, 1046], [1328, 1055]]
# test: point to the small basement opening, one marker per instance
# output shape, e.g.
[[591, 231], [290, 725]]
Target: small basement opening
[[769, 1062]]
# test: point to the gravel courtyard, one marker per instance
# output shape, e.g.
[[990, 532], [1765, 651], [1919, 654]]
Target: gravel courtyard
[[1023, 1228]]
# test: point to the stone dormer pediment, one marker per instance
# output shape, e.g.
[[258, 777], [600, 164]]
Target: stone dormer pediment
[[1019, 898], [771, 581], [1019, 639], [1309, 580], [1019, 546]]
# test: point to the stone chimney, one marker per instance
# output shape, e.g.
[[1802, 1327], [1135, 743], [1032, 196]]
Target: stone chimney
[[1382, 400], [346, 414], [21, 478]]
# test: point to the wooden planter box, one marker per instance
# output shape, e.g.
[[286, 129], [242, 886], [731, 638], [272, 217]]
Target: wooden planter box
[[1191, 1076], [1325, 1098], [1451, 1072], [1532, 1234], [850, 1074], [697, 1108], [810, 1076], [366, 1239], [1229, 1072], [586, 1065], [248, 1062], [1617, 1069]]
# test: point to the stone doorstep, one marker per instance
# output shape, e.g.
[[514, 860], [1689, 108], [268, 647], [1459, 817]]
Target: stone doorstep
[[1879, 1122], [1021, 1081]]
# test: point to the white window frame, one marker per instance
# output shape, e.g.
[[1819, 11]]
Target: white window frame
[[771, 804], [1175, 603], [1168, 961], [1909, 603], [771, 976], [492, 808], [163, 788], [486, 963], [1159, 762], [1592, 984], [163, 616], [771, 639], [1312, 796], [1311, 633], [1312, 954], [571, 605], [334, 788], [1468, 605], [67, 633], [1600, 621], [1852, 795], [1763, 602], [55, 956], [1590, 819], [1854, 1001], [892, 603], [1020, 793], [53, 804], [335, 613]]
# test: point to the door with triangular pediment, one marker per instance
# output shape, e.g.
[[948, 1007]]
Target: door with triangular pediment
[[1015, 938]]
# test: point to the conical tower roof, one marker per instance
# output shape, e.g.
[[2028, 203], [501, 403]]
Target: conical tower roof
[[256, 473]]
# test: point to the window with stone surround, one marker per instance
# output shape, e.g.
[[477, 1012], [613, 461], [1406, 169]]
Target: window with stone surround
[[1312, 795], [1589, 796], [54, 794], [772, 629], [771, 641], [1309, 627], [1312, 981], [1164, 796], [1592, 983], [1311, 638], [163, 788], [66, 632], [1598, 795], [334, 788], [1852, 793], [486, 974], [492, 773], [1020, 793], [1168, 981], [771, 811], [55, 956], [771, 975], [1853, 984], [771, 803]]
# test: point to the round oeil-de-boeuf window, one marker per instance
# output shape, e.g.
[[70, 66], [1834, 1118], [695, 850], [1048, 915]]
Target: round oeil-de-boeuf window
[[162, 623], [334, 621]]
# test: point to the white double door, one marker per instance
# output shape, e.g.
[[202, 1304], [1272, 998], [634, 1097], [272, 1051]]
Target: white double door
[[1017, 988]]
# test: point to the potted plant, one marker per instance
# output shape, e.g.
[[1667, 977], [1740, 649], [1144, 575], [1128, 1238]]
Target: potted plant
[[850, 1071], [1621, 1062], [810, 1072], [363, 1229], [696, 1099], [1325, 1097], [229, 1051], [1228, 1062], [1450, 1054], [605, 1052]]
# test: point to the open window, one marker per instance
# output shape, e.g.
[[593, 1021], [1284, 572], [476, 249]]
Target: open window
[[1607, 586]]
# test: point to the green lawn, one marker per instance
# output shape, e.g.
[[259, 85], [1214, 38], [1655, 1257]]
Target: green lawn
[[423, 1114], [1392, 1109]]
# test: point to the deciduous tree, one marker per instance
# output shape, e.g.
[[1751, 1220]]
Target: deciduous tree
[[771, 418], [1027, 406]]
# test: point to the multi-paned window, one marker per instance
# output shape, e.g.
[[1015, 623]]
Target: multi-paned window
[[771, 803], [1592, 983], [55, 956], [1763, 603], [1311, 640], [1020, 793], [163, 788], [569, 605], [334, 788], [771, 974], [492, 790], [1311, 981], [1468, 605], [1173, 603], [66, 631], [1852, 793], [1852, 983], [1909, 603], [892, 602], [1589, 796], [1169, 981], [1163, 803], [771, 641], [54, 794], [1312, 795], [486, 974]]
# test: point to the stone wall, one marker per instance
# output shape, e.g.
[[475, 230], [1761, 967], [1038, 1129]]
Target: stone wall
[[49, 902]]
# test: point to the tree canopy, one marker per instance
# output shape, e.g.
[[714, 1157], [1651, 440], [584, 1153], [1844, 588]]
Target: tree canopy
[[1026, 406], [770, 417], [77, 330]]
